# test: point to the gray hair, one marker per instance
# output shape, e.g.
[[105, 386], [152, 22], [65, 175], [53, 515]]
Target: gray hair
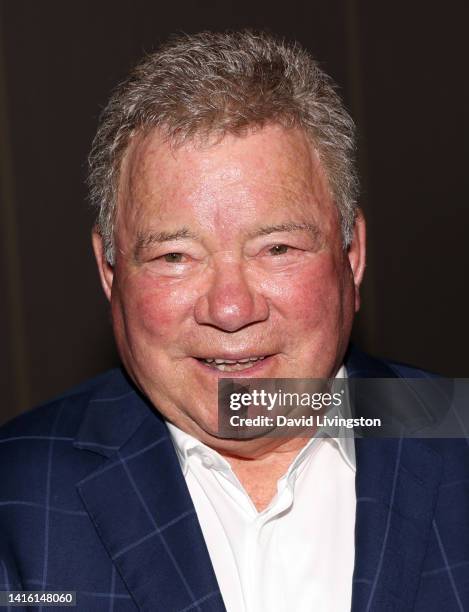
[[212, 84]]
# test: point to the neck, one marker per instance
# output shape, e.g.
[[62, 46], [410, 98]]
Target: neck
[[259, 474]]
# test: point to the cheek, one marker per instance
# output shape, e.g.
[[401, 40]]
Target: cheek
[[308, 296], [154, 311], [153, 308]]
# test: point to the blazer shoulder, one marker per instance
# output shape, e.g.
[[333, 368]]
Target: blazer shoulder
[[43, 421], [454, 451]]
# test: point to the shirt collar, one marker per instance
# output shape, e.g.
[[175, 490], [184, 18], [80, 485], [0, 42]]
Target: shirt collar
[[344, 438], [186, 445]]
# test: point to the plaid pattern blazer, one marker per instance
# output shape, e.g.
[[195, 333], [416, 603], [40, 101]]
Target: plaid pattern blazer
[[92, 499]]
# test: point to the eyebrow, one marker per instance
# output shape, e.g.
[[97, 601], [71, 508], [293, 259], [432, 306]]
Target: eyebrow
[[265, 230], [148, 239]]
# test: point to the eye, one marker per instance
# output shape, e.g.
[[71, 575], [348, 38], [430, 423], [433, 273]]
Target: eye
[[172, 257], [279, 249]]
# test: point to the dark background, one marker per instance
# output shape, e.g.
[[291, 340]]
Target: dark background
[[402, 69]]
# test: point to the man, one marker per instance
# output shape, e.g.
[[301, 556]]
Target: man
[[228, 243]]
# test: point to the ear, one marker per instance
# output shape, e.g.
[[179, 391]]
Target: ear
[[357, 255], [106, 271]]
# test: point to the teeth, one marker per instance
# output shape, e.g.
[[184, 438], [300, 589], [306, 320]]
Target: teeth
[[231, 365]]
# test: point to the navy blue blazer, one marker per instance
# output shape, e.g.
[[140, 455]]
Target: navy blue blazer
[[92, 499]]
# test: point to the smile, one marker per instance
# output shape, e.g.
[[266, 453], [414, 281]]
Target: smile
[[230, 365]]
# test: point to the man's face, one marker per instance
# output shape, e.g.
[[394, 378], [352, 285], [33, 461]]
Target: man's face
[[231, 252]]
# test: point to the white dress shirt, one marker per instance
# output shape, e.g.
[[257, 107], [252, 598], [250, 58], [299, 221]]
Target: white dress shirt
[[298, 553]]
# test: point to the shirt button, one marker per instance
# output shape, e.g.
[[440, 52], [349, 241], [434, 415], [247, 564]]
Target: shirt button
[[207, 461]]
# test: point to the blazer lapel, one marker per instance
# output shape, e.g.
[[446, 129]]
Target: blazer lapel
[[140, 506], [396, 486]]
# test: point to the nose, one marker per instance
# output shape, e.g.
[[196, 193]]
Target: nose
[[230, 301]]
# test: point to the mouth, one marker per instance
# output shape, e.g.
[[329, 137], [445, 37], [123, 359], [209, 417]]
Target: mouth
[[221, 364]]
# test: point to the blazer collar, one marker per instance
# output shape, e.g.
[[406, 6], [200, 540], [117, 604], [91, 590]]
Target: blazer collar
[[139, 503], [362, 365], [114, 411]]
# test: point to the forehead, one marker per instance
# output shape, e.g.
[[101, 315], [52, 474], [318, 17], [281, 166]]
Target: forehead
[[272, 171]]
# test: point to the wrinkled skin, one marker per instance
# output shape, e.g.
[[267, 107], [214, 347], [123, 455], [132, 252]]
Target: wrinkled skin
[[227, 250]]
